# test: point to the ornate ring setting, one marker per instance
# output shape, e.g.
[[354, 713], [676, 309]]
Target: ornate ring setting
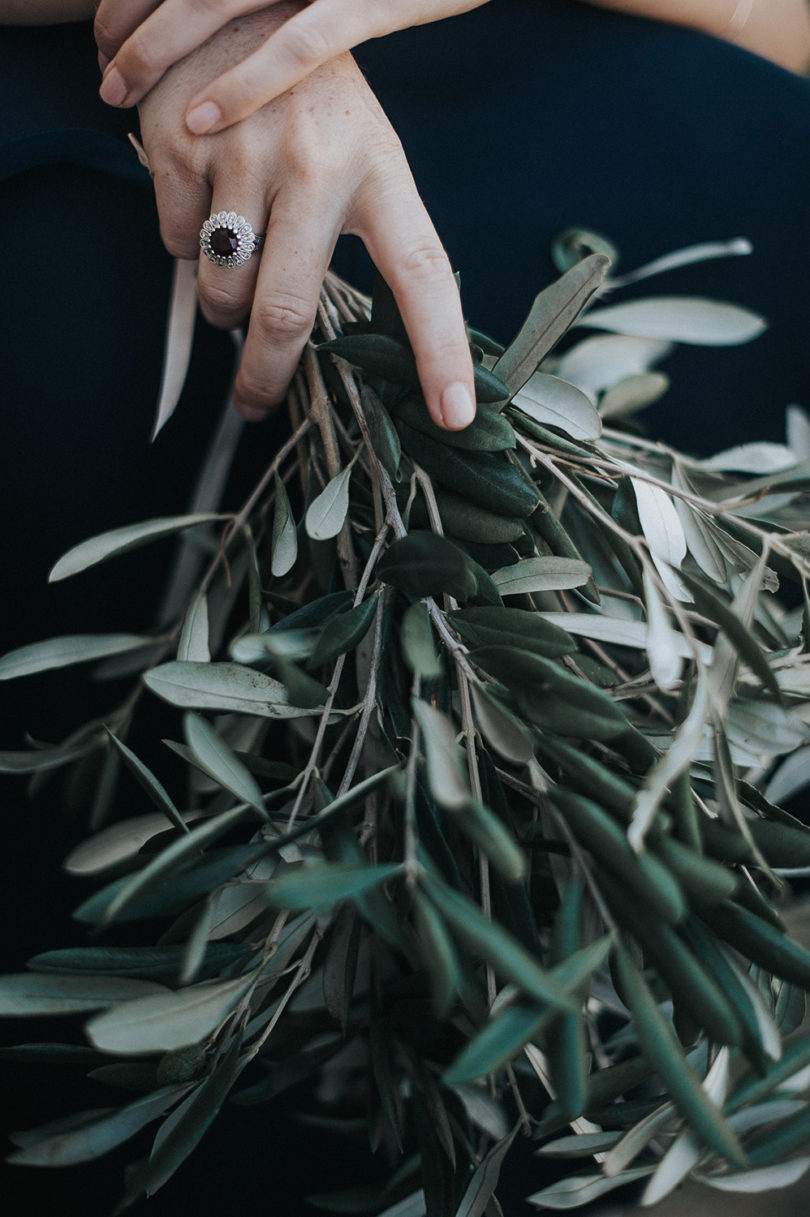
[[227, 239]]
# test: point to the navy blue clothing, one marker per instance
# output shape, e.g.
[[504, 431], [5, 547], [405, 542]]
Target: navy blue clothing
[[520, 119]]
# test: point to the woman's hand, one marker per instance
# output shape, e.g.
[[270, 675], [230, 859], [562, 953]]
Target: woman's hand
[[319, 161], [139, 39]]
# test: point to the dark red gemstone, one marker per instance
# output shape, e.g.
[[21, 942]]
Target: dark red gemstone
[[224, 242]]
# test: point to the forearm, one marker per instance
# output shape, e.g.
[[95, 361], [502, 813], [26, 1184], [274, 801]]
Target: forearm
[[777, 29], [44, 12]]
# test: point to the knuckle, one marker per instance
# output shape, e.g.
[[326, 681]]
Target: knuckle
[[221, 305], [425, 262], [108, 38], [178, 241], [136, 58], [305, 43], [284, 317], [251, 393]]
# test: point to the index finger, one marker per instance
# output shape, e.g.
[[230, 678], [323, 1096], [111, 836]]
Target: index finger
[[115, 20], [151, 35], [399, 235]]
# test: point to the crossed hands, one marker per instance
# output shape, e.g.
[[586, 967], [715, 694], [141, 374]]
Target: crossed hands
[[285, 131]]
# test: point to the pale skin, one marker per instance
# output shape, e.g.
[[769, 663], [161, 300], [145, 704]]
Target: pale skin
[[139, 39], [304, 152]]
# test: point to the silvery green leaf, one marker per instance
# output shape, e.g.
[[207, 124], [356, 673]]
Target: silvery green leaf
[[222, 686], [416, 637], [217, 759], [620, 631], [481, 1187], [486, 1112], [764, 728], [750, 1118], [686, 1151], [678, 755], [791, 776], [179, 340], [551, 314], [580, 1145], [412, 1206], [446, 777], [121, 540], [38, 760], [66, 650], [632, 394], [163, 1022], [759, 458], [798, 432], [327, 512], [541, 574], [577, 1190], [193, 645], [502, 730], [766, 1179], [147, 780], [237, 904], [741, 557], [294, 645], [700, 542], [599, 363], [46, 993], [556, 403], [99, 1134], [628, 1146], [769, 1033], [115, 844], [678, 1162], [285, 536], [662, 640], [663, 534], [685, 257], [769, 507], [688, 319]]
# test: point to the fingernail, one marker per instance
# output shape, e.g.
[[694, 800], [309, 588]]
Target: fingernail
[[202, 118], [458, 407], [103, 60], [113, 88]]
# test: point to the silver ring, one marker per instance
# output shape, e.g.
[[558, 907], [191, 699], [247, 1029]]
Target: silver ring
[[227, 239]]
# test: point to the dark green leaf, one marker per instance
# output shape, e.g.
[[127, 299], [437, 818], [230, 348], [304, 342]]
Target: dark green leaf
[[423, 564], [506, 956], [343, 632], [307, 887], [382, 432], [489, 479], [660, 1045], [186, 1126], [496, 626], [489, 432], [99, 1135]]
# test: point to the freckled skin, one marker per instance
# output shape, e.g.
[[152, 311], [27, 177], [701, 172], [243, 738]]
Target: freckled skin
[[318, 161]]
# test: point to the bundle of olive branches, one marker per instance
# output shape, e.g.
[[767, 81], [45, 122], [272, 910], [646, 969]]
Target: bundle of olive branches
[[484, 739]]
